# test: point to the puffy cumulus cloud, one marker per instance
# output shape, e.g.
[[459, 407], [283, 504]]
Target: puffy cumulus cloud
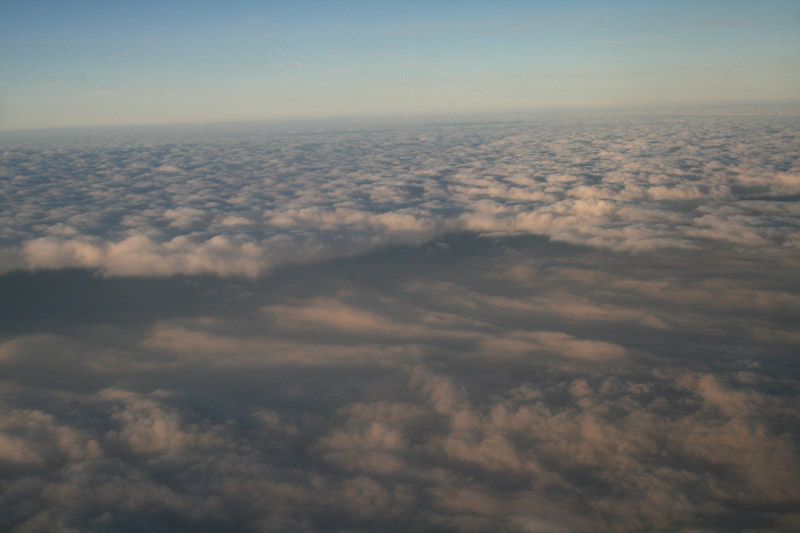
[[449, 459], [185, 217], [52, 253], [528, 450], [262, 198], [413, 224], [30, 438], [142, 426], [235, 221], [139, 255], [136, 462], [371, 443]]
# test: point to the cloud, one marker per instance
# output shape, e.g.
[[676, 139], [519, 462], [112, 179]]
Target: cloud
[[293, 60], [140, 255], [556, 342], [567, 325], [121, 55], [194, 342], [332, 314], [617, 184], [147, 42]]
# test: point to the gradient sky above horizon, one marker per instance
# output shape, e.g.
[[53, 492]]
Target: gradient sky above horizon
[[98, 63]]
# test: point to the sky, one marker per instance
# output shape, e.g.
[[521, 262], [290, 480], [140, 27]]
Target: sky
[[99, 63]]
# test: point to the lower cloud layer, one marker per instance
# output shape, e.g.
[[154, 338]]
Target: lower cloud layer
[[471, 384]]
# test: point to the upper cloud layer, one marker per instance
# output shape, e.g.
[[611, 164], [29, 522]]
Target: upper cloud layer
[[243, 204]]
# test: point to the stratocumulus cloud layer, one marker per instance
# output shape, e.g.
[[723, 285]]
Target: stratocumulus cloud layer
[[545, 326], [253, 199]]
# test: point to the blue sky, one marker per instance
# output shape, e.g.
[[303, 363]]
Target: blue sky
[[98, 63]]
